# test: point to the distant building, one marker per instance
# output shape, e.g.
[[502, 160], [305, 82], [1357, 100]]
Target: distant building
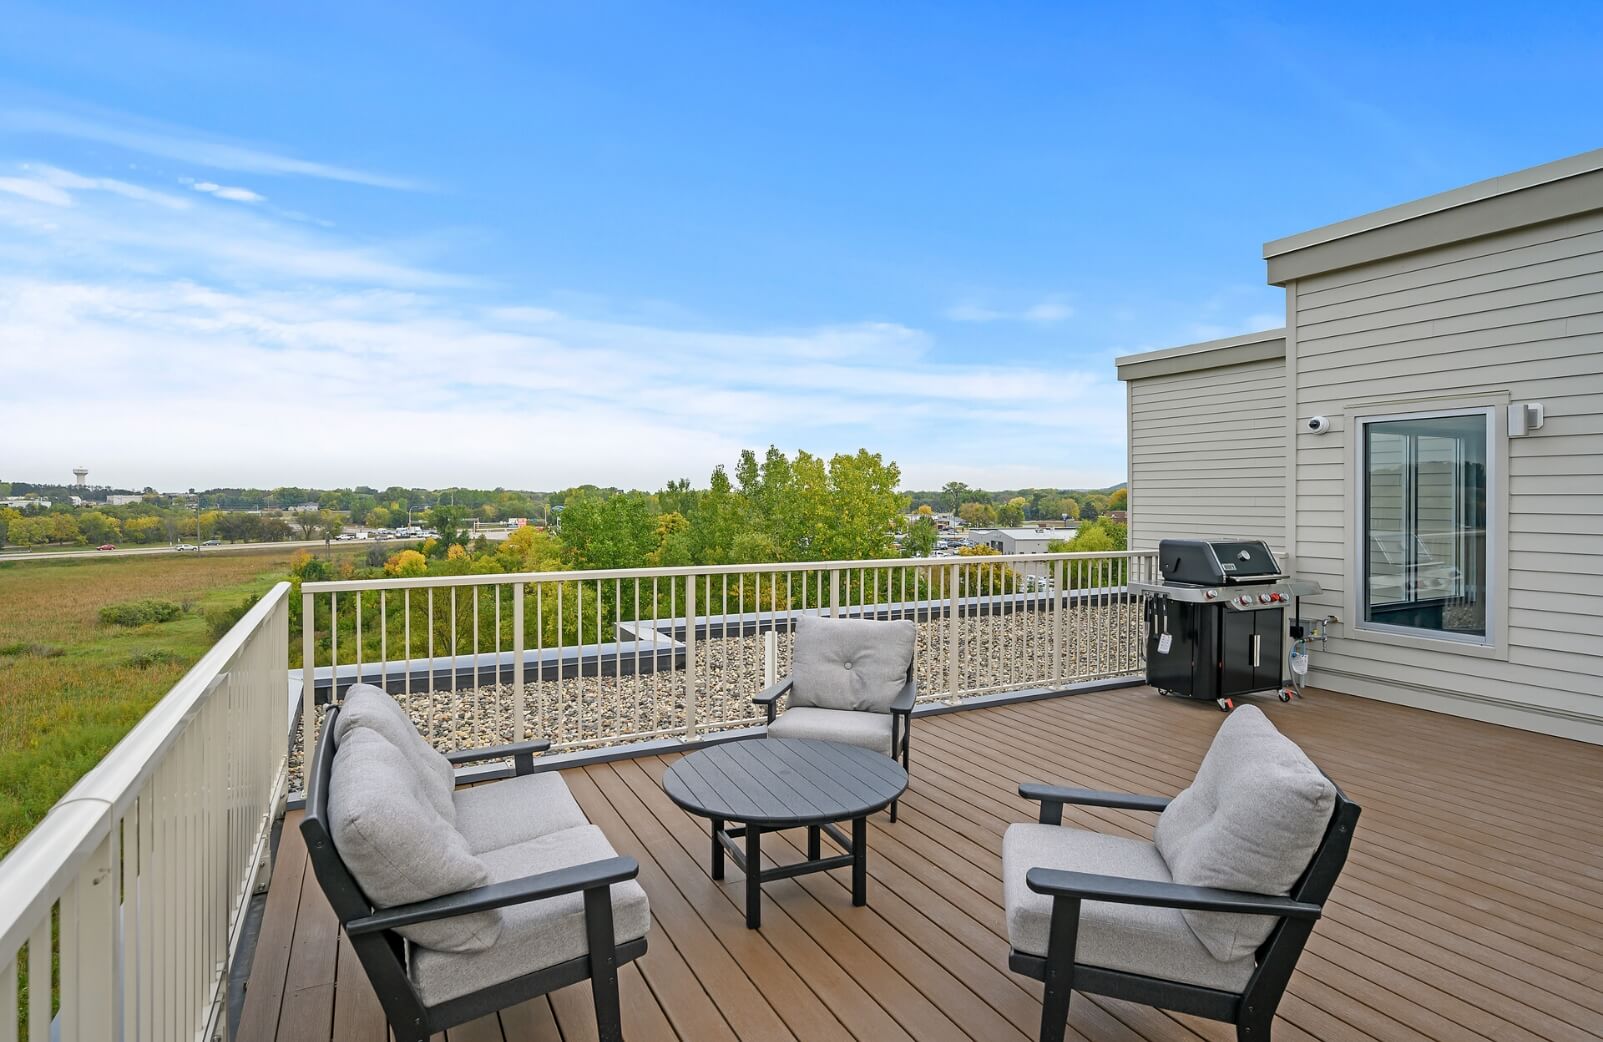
[[1120, 516], [303, 508], [1018, 540], [23, 502], [122, 499]]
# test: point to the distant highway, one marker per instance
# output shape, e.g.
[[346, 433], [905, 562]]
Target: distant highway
[[225, 548]]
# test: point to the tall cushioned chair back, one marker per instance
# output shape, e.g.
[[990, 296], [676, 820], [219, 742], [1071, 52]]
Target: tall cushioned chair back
[[853, 664]]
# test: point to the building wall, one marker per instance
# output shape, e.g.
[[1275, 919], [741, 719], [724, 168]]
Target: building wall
[[1208, 454], [1512, 317]]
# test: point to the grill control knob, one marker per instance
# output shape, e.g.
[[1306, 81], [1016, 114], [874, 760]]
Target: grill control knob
[[1263, 598], [1208, 595]]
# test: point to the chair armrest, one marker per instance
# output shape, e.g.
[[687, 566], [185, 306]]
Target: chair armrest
[[522, 754], [1053, 797], [903, 703], [1087, 887], [770, 695], [498, 895]]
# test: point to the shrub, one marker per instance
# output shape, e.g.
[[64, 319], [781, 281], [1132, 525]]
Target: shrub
[[310, 569], [139, 613], [22, 647], [407, 564], [220, 620], [146, 659]]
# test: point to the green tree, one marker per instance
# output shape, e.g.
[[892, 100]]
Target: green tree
[[332, 524], [617, 531], [956, 493], [378, 517], [919, 541], [977, 513]]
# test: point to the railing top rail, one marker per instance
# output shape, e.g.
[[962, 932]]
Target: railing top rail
[[38, 868], [579, 575]]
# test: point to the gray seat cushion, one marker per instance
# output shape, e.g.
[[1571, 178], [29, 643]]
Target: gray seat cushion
[[869, 730], [538, 934], [1155, 942], [396, 845], [856, 664], [1251, 821], [368, 706], [499, 814]]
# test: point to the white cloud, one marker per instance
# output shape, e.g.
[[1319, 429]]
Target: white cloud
[[1046, 310], [248, 350], [188, 146], [38, 191], [238, 195]]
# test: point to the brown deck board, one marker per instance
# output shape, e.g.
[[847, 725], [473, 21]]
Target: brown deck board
[[1471, 908]]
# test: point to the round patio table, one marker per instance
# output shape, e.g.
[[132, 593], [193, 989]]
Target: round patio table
[[772, 784]]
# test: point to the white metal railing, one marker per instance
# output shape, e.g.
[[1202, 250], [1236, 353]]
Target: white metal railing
[[591, 658], [120, 911]]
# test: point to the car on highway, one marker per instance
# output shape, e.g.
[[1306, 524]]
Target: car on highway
[[181, 547], [106, 546], [212, 542]]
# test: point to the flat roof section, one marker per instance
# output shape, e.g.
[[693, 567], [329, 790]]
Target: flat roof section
[[1209, 354], [1552, 191]]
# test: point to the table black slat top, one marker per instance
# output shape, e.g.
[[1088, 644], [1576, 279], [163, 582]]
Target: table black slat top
[[784, 782]]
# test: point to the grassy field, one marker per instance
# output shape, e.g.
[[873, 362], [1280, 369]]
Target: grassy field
[[71, 686]]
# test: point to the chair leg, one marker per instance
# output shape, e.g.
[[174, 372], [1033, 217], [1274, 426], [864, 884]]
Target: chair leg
[[1254, 1029], [603, 963], [1060, 951]]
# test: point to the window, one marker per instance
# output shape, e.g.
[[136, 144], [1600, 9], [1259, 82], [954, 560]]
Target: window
[[1424, 524]]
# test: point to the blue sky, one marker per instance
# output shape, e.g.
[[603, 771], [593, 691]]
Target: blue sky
[[533, 245]]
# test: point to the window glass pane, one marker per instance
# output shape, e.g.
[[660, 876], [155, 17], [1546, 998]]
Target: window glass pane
[[1425, 524]]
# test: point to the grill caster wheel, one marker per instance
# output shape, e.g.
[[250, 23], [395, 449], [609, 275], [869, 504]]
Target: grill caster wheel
[[1226, 704]]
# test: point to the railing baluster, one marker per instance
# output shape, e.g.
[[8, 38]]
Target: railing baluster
[[308, 686], [383, 640], [40, 957], [690, 657], [519, 710], [8, 1001]]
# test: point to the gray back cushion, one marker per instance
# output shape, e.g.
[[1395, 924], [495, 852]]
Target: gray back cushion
[[1250, 821], [397, 847], [856, 664], [370, 707]]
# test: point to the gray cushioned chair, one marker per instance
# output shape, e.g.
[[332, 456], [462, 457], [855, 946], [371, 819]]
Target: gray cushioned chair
[[851, 681], [1207, 918], [460, 902]]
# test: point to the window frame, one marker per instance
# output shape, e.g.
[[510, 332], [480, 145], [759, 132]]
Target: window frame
[[1494, 643]]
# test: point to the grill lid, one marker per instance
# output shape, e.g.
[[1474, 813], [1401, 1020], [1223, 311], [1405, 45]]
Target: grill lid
[[1217, 562]]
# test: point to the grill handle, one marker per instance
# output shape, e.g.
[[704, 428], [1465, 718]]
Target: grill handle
[[1257, 649]]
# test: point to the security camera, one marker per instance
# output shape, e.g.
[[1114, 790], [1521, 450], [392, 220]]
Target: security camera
[[1318, 424]]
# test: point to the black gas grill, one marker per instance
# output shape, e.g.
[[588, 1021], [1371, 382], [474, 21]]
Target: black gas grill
[[1216, 622]]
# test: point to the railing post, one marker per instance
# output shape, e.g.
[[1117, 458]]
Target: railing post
[[834, 593], [518, 694], [770, 658], [308, 689], [690, 657], [953, 634]]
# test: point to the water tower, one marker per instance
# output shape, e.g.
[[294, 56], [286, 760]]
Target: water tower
[[81, 474]]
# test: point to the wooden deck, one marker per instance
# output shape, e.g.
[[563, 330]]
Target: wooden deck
[[1471, 908]]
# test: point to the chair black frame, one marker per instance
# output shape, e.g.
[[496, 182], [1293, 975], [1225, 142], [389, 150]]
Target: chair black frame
[[383, 952], [901, 718], [1252, 1011]]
